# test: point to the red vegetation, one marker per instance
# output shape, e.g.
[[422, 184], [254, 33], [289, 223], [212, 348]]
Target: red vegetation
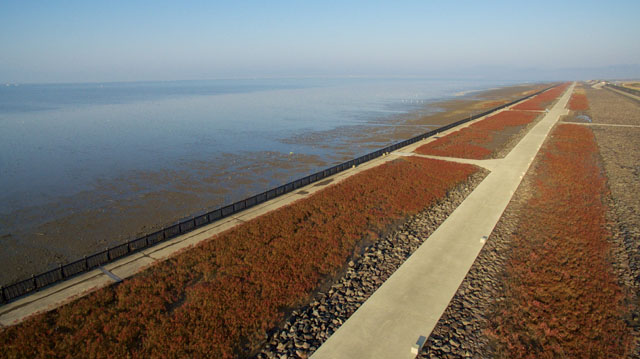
[[217, 300], [562, 296], [541, 101], [493, 104], [469, 141], [578, 102]]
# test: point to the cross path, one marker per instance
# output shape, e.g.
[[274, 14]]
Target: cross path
[[396, 319]]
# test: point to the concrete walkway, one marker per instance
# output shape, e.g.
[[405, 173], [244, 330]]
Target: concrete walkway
[[490, 164], [409, 304]]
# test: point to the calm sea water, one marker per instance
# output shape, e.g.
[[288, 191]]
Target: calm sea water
[[68, 149], [56, 140]]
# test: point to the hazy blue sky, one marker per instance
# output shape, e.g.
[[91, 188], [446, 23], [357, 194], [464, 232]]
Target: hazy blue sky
[[75, 41]]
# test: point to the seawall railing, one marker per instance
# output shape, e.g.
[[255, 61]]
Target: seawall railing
[[64, 271]]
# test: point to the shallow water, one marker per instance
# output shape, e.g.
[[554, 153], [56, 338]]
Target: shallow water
[[84, 166], [584, 118]]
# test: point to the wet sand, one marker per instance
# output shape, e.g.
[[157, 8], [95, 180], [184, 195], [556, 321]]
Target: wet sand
[[40, 238]]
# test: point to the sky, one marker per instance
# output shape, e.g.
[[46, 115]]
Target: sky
[[101, 41]]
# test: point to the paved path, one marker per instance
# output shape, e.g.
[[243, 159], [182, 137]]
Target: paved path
[[490, 164], [409, 304]]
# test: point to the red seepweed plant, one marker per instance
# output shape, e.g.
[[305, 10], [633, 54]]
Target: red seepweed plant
[[543, 100], [218, 299], [578, 102], [562, 298], [470, 142]]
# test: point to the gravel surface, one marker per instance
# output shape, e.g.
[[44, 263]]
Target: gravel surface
[[606, 106], [620, 153], [307, 328]]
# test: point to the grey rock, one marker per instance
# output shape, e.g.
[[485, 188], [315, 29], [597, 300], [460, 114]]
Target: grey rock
[[312, 325]]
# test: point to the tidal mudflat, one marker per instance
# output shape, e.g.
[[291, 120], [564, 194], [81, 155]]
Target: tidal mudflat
[[86, 167]]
